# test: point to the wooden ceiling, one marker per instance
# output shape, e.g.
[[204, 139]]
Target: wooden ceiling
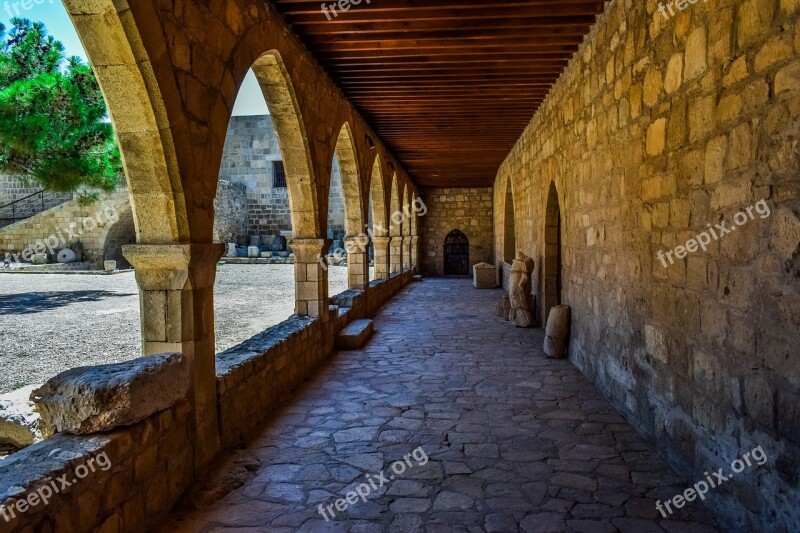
[[449, 85]]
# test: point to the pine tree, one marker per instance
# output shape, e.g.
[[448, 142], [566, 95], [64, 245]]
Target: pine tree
[[54, 127]]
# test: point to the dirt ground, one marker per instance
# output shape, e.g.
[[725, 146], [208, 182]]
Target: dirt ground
[[52, 322]]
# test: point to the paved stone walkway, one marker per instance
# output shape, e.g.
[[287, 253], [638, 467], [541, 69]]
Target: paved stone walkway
[[515, 442]]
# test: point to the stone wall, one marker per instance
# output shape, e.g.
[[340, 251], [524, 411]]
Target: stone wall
[[467, 210], [251, 148], [658, 130], [150, 467], [12, 189], [72, 223]]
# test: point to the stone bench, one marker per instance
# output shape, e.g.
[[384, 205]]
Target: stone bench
[[355, 335]]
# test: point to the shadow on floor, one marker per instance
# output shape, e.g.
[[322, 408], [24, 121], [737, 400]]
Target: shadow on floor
[[35, 302]]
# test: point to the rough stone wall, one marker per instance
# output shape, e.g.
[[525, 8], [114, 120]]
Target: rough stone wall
[[12, 189], [151, 466], [251, 148], [468, 210], [230, 213], [70, 223], [657, 129]]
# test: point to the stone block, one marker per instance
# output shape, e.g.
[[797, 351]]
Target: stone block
[[355, 335], [484, 276], [19, 423], [696, 61], [99, 398]]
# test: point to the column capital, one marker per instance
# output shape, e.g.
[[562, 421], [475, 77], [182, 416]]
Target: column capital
[[167, 266], [381, 240], [356, 244], [309, 250]]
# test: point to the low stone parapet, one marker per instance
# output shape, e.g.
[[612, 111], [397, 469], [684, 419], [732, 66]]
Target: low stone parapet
[[99, 398]]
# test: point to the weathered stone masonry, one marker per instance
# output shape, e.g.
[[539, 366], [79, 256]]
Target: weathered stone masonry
[[467, 210], [657, 129]]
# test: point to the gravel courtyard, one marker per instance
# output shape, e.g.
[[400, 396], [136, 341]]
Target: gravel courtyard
[[52, 322]]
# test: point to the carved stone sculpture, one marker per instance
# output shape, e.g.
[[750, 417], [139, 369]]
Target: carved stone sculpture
[[519, 290]]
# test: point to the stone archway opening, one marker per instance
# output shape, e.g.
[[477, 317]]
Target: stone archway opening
[[552, 253], [379, 252], [345, 218], [456, 254], [509, 227], [122, 233]]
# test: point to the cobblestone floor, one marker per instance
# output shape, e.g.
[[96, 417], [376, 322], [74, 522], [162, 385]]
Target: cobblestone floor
[[515, 442], [53, 322]]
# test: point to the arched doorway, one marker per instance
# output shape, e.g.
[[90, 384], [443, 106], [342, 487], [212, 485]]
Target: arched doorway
[[509, 240], [456, 254], [552, 253]]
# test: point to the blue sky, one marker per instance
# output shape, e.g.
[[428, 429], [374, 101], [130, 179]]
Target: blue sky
[[249, 102]]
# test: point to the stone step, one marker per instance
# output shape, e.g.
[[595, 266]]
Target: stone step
[[355, 335]]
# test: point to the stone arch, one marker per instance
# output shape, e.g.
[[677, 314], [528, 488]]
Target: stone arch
[[278, 90], [121, 233], [377, 196], [509, 225], [138, 113], [395, 229], [351, 182], [405, 208], [378, 232], [553, 243]]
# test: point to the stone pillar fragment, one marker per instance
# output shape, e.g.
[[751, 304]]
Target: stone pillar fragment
[[357, 261], [382, 257], [311, 276], [176, 296]]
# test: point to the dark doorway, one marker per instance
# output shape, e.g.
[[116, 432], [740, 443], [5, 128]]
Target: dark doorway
[[552, 255], [456, 254]]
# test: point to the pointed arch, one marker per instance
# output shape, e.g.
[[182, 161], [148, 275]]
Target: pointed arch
[[377, 197], [405, 208], [553, 242], [395, 229], [509, 225], [278, 90], [351, 181], [138, 113]]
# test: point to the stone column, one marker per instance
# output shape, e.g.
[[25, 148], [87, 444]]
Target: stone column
[[396, 262], [311, 276], [415, 253], [407, 252], [176, 298], [381, 245], [357, 261]]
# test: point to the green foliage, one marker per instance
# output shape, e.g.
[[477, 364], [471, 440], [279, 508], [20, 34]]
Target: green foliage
[[54, 130]]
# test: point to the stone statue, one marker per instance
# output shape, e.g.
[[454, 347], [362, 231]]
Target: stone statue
[[519, 291]]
